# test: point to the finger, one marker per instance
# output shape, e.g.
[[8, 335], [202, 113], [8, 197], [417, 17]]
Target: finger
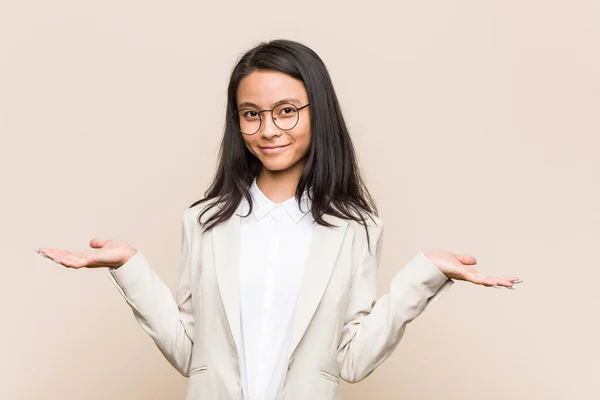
[[57, 254], [41, 253], [504, 282], [42, 250], [75, 260], [479, 279], [467, 259], [508, 282], [49, 254], [97, 243], [513, 279]]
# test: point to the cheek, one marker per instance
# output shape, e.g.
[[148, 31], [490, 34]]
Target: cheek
[[305, 141], [303, 138], [249, 142]]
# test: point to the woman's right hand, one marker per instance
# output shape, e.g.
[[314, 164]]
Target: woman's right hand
[[111, 254]]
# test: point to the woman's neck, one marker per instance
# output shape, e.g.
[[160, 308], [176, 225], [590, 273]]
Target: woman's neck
[[279, 186]]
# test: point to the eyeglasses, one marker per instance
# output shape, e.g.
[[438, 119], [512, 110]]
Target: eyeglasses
[[285, 116]]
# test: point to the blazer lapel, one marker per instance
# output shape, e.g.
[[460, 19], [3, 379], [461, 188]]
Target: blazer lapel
[[226, 245], [324, 249]]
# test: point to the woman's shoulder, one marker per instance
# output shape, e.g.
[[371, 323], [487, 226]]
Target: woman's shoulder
[[364, 221], [366, 230], [370, 220], [199, 208]]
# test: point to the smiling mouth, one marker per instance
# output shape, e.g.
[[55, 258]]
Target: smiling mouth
[[273, 147]]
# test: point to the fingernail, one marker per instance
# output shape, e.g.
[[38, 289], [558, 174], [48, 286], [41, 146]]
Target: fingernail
[[40, 253], [518, 281], [496, 287], [510, 288]]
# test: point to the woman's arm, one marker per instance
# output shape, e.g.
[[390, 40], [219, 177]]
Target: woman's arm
[[169, 321], [373, 328]]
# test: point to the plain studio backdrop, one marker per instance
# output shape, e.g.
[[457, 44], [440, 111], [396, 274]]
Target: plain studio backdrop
[[476, 125]]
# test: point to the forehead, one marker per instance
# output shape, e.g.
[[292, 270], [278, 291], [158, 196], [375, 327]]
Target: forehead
[[265, 88]]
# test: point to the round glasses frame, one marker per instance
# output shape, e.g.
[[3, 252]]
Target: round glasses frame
[[298, 109]]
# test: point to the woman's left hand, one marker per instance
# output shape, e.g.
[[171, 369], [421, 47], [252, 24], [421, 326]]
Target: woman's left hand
[[460, 267]]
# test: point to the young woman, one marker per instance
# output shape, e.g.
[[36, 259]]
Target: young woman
[[278, 291]]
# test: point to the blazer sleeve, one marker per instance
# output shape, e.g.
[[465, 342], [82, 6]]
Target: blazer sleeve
[[168, 320], [373, 328]]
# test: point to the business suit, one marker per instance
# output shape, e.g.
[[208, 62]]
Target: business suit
[[339, 328]]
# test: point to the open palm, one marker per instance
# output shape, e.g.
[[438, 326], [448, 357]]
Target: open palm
[[111, 254], [460, 267]]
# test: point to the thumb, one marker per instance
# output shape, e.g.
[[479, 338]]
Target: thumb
[[97, 243], [466, 259]]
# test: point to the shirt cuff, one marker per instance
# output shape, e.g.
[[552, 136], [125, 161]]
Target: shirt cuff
[[131, 272], [422, 270]]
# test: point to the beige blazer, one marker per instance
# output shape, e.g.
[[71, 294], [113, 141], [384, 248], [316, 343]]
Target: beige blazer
[[340, 327]]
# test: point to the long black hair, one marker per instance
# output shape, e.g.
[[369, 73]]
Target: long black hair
[[331, 171]]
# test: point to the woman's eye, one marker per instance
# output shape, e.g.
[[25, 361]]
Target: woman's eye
[[287, 111], [250, 114]]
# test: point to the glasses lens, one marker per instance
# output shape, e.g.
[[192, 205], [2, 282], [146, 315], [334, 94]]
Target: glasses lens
[[249, 121], [285, 116]]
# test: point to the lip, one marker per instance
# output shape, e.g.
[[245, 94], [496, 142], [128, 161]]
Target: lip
[[273, 149]]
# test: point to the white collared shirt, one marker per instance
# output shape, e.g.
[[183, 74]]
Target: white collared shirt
[[274, 245]]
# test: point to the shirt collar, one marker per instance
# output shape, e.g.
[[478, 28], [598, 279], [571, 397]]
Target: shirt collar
[[262, 205]]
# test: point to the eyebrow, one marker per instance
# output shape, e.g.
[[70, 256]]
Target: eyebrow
[[286, 100]]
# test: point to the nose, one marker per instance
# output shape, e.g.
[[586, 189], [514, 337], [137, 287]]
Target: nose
[[269, 130]]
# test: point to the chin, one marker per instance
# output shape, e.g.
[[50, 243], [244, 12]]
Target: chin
[[275, 166]]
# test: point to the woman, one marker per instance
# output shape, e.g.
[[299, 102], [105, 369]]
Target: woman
[[277, 296]]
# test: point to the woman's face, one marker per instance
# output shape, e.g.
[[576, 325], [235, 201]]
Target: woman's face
[[277, 149]]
